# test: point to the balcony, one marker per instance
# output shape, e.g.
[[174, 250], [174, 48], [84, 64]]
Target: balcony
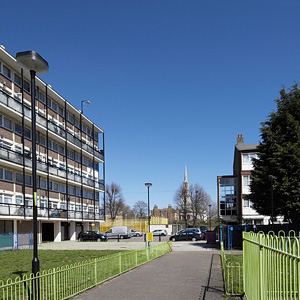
[[16, 105], [17, 210], [16, 157]]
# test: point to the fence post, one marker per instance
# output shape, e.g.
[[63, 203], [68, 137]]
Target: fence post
[[120, 264], [261, 263], [95, 270], [54, 284], [136, 258]]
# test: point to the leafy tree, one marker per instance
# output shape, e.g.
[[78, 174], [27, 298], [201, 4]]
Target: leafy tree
[[114, 201], [279, 163], [140, 209]]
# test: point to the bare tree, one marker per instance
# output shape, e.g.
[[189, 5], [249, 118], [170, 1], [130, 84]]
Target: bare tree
[[200, 201], [114, 200], [181, 200], [140, 209]]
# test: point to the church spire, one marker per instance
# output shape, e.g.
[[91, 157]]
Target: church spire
[[185, 175], [185, 182]]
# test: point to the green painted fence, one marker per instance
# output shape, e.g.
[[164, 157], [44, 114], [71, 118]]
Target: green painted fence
[[271, 266], [232, 275], [65, 282]]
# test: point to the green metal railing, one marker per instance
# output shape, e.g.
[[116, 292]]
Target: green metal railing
[[232, 274], [67, 281], [271, 266]]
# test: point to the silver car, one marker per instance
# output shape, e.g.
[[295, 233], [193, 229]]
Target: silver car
[[135, 232], [159, 232]]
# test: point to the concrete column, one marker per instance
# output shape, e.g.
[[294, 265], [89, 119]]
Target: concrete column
[[15, 231], [86, 226], [73, 236], [57, 231], [97, 226]]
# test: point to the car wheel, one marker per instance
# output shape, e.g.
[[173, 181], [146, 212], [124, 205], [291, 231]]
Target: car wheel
[[173, 239], [81, 239], [194, 239], [98, 240]]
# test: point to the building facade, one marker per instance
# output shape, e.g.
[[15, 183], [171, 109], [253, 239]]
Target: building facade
[[233, 205], [70, 160], [170, 213]]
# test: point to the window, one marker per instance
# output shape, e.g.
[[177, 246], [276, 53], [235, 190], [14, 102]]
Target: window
[[27, 86], [7, 198], [76, 123], [8, 175], [18, 129], [61, 150], [43, 184], [84, 161], [19, 178], [71, 190], [63, 205], [77, 157], [54, 105], [246, 180], [71, 154], [6, 72], [61, 111], [62, 188], [70, 118], [7, 123], [78, 192], [54, 186], [17, 79], [27, 133], [42, 140], [18, 149], [1, 173], [42, 97], [28, 180], [19, 199], [246, 203]]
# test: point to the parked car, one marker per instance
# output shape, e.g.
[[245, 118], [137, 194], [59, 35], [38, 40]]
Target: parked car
[[190, 234], [135, 232], [91, 236], [159, 232], [119, 231], [203, 231]]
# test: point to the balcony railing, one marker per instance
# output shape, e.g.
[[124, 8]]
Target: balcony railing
[[17, 106], [16, 157], [9, 209]]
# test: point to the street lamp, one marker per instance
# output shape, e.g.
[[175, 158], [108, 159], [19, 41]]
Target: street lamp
[[33, 62], [84, 101], [148, 185], [209, 206]]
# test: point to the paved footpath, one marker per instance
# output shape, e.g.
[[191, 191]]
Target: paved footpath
[[191, 272]]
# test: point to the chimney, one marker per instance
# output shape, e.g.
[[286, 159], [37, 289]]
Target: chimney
[[240, 139]]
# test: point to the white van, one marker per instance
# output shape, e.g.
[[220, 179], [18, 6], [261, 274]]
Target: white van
[[119, 231]]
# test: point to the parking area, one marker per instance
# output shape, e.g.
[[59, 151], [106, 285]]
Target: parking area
[[127, 244]]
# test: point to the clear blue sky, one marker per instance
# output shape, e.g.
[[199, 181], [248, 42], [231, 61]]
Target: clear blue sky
[[172, 83]]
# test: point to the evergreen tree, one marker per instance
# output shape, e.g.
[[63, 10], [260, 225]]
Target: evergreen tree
[[279, 163]]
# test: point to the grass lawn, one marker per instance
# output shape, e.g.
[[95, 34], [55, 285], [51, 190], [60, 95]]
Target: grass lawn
[[18, 262], [234, 274], [235, 258]]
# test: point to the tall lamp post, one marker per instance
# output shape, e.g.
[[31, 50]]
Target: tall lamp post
[[84, 101], [148, 185], [33, 62], [209, 206]]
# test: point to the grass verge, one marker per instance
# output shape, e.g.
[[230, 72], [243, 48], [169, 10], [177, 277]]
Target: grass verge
[[18, 262]]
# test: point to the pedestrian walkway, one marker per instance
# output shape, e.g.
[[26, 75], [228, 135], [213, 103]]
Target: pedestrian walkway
[[188, 275]]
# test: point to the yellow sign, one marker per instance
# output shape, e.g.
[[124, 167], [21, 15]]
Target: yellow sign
[[150, 237]]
